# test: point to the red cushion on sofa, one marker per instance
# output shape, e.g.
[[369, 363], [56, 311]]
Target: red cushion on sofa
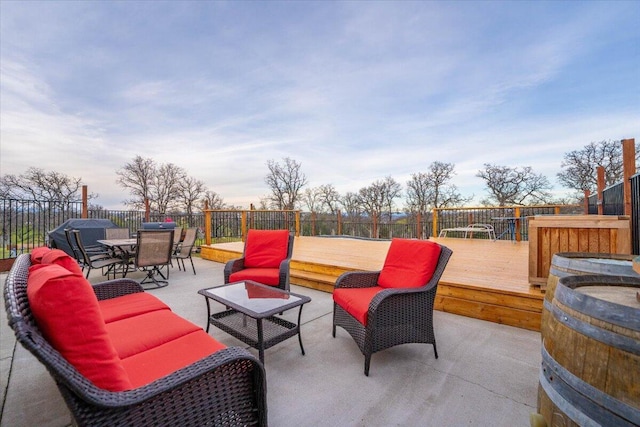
[[140, 333], [266, 248], [409, 263], [61, 258], [66, 310], [130, 305], [163, 360], [355, 301], [38, 253], [266, 276]]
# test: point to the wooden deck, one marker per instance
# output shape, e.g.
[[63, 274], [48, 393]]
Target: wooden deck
[[484, 279]]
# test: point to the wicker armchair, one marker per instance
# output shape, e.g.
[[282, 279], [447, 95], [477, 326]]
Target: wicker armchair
[[266, 259], [386, 316], [226, 388]]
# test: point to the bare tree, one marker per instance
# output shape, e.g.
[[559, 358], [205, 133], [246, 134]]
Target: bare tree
[[285, 182], [165, 190], [514, 186], [38, 184], [433, 189], [329, 197], [189, 193], [579, 166], [214, 200], [311, 198], [137, 177], [351, 204], [378, 198]]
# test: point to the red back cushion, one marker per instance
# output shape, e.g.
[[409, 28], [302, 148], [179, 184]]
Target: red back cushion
[[266, 248], [61, 258], [410, 263], [66, 311], [38, 253]]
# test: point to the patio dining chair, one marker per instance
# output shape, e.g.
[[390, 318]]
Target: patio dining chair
[[153, 254], [382, 309], [104, 260], [265, 259], [185, 248]]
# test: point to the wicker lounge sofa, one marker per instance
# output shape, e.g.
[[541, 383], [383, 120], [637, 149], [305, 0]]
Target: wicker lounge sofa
[[112, 362]]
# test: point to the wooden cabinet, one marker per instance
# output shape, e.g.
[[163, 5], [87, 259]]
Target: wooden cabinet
[[550, 234]]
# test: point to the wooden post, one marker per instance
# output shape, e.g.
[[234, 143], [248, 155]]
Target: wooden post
[[313, 223], [434, 227], [587, 193], [243, 225], [85, 202], [517, 224], [339, 222], [147, 210], [207, 224], [600, 171], [628, 170], [374, 231]]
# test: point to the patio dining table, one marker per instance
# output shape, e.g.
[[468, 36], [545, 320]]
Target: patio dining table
[[123, 248]]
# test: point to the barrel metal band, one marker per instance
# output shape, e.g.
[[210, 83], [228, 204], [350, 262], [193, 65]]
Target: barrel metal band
[[612, 339], [595, 403]]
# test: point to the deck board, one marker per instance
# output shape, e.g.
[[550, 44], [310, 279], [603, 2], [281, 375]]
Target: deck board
[[484, 278]]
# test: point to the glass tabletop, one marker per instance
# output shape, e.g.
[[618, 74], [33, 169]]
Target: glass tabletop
[[254, 297]]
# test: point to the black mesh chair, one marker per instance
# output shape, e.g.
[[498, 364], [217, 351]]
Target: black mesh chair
[[105, 261], [185, 248]]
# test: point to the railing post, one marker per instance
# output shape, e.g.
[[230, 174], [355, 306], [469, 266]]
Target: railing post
[[600, 171], [147, 210], [207, 225], [374, 227], [85, 202], [517, 224], [434, 227], [339, 214], [628, 170], [313, 223], [418, 226], [297, 223], [243, 226]]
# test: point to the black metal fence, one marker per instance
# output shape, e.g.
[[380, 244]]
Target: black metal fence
[[613, 204]]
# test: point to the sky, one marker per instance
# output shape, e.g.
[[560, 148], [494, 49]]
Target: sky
[[353, 91]]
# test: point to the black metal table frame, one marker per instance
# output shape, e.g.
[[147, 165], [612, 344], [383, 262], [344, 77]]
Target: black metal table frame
[[279, 329]]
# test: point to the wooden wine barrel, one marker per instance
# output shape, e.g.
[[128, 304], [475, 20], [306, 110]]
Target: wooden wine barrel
[[564, 264], [591, 353]]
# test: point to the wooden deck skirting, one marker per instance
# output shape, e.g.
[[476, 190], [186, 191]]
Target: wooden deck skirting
[[484, 279]]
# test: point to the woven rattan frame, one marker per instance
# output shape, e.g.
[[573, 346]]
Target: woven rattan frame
[[235, 265], [227, 388], [395, 316]]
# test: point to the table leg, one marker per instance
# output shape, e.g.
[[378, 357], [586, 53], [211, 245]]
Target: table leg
[[208, 314], [300, 330], [260, 341]]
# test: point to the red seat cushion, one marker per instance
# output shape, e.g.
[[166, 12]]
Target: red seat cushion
[[355, 301], [140, 333], [409, 263], [38, 253], [266, 276], [66, 311], [61, 258], [160, 361], [130, 305], [266, 248]]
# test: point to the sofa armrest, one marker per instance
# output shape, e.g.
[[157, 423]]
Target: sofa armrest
[[116, 288]]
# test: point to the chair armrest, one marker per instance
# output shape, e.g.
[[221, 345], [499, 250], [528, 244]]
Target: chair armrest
[[284, 274], [358, 279], [116, 288], [232, 266]]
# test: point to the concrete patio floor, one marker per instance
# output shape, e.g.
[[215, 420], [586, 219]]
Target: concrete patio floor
[[486, 373]]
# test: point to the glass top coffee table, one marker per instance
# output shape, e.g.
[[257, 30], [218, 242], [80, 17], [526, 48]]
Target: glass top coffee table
[[259, 302]]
